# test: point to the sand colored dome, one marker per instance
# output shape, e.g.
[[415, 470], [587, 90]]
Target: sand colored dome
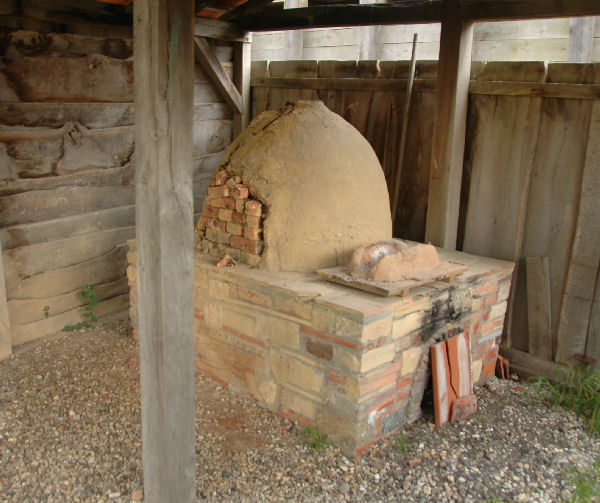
[[320, 182]]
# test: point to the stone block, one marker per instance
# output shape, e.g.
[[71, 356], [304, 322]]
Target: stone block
[[217, 236], [219, 289], [408, 324], [375, 357], [348, 359], [252, 296], [344, 384], [411, 359], [298, 404], [281, 332], [498, 310], [291, 370], [293, 306], [476, 370], [503, 290], [319, 349], [239, 322], [234, 229], [267, 391], [392, 421], [378, 329]]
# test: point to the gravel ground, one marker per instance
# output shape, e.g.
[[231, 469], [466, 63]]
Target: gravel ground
[[70, 431]]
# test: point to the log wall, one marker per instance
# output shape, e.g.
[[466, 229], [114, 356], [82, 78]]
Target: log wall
[[67, 171], [530, 181]]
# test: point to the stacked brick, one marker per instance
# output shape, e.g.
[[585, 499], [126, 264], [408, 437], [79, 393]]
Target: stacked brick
[[231, 221], [351, 363]]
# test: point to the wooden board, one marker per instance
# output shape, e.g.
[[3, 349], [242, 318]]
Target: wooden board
[[539, 307], [5, 335], [447, 271]]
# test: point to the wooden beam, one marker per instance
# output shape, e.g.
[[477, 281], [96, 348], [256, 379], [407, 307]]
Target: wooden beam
[[452, 98], [581, 39], [242, 63], [324, 16], [5, 334], [293, 47], [221, 30], [210, 64], [505, 10], [539, 307], [164, 74], [527, 365]]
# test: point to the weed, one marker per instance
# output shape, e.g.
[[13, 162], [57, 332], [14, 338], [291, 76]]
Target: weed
[[401, 445], [578, 391], [90, 317], [586, 483], [494, 499], [46, 311], [315, 439]]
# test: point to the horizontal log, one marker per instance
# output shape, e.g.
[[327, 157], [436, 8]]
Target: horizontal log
[[211, 136], [32, 331], [62, 228], [94, 178], [40, 205], [25, 262], [221, 30], [552, 90], [94, 78], [26, 311], [500, 10], [39, 152], [108, 267], [528, 365], [24, 43]]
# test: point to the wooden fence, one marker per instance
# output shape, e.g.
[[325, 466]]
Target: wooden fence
[[531, 179]]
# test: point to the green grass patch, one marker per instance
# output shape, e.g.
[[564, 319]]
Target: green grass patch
[[316, 440], [586, 483], [578, 391]]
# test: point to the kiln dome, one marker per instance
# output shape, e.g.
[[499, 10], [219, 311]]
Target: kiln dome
[[321, 186]]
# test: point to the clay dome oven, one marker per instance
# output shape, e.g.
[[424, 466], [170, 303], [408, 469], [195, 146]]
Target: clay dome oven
[[299, 190]]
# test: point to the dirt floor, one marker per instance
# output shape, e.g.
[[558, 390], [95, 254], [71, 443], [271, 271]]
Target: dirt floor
[[70, 431]]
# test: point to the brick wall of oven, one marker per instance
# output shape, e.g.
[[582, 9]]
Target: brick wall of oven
[[352, 363]]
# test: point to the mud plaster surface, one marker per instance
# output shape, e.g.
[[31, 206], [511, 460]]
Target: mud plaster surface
[[321, 184], [393, 261]]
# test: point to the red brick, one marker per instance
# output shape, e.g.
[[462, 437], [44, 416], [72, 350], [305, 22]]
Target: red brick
[[253, 208], [404, 382], [252, 234], [384, 382], [489, 368], [225, 214], [486, 288], [223, 202], [253, 222], [211, 212], [217, 225], [220, 178], [238, 218], [377, 375], [336, 340], [216, 192], [239, 191], [234, 229], [245, 245], [491, 299], [492, 326], [319, 349], [492, 354]]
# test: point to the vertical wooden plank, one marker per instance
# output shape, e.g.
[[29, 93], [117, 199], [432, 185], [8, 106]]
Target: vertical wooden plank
[[5, 336], [593, 335], [294, 39], [585, 254], [163, 73], [539, 306], [305, 69], [581, 39], [241, 79], [261, 96], [449, 134]]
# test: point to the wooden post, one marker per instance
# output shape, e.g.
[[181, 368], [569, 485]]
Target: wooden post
[[452, 96], [581, 39], [163, 73], [294, 39], [5, 335], [242, 62]]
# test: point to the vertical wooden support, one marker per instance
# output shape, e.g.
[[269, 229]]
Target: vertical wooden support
[[5, 336], [242, 63], [581, 39], [163, 73], [294, 39], [539, 307], [445, 178]]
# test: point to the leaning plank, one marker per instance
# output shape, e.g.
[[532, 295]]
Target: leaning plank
[[583, 266], [22, 263], [5, 335], [449, 132], [61, 228], [40, 205], [91, 79], [539, 307], [26, 333], [216, 74], [110, 266], [103, 177], [25, 311], [446, 271]]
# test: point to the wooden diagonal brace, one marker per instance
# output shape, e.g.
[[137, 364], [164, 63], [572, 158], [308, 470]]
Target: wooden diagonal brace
[[217, 75]]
